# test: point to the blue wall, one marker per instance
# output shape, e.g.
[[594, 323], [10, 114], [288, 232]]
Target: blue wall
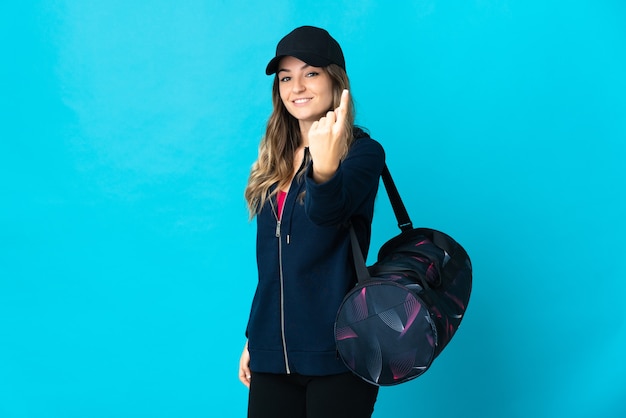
[[127, 132]]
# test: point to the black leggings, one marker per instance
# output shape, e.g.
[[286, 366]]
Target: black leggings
[[296, 396]]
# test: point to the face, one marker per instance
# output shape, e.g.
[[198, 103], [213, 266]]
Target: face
[[306, 91]]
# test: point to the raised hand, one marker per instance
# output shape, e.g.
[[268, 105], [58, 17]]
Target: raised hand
[[327, 141]]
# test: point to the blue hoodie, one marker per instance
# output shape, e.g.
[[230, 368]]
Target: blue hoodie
[[305, 264]]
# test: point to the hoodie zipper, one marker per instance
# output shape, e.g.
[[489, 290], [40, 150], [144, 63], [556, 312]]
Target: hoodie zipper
[[281, 281], [280, 264]]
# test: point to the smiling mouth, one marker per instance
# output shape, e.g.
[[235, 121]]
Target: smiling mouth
[[301, 101]]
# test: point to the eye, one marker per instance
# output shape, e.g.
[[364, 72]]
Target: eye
[[284, 79], [312, 74]]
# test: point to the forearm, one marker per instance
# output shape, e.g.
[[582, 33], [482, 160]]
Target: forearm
[[336, 199]]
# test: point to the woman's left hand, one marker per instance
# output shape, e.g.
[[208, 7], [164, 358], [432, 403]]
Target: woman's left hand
[[327, 142], [244, 366]]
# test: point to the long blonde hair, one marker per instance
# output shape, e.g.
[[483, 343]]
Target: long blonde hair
[[281, 140]]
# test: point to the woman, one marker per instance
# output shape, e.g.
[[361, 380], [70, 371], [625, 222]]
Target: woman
[[316, 174]]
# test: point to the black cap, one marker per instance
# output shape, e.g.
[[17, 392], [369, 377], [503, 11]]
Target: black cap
[[312, 45]]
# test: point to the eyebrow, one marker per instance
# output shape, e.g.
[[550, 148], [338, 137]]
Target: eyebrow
[[287, 70]]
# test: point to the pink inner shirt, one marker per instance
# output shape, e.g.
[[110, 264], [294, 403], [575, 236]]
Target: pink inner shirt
[[281, 201]]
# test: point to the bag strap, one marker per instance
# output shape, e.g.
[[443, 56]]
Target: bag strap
[[402, 216], [362, 274], [458, 256]]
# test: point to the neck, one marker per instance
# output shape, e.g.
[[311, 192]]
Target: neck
[[304, 132]]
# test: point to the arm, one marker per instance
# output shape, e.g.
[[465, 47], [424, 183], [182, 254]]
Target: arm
[[336, 189], [353, 183], [327, 141]]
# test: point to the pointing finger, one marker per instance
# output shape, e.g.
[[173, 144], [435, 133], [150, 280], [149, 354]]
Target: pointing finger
[[345, 99], [343, 105]]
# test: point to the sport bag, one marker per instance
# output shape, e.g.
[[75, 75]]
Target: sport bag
[[406, 307]]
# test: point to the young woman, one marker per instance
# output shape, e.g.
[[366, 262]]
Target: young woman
[[316, 174]]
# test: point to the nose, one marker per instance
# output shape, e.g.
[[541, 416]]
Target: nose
[[298, 86]]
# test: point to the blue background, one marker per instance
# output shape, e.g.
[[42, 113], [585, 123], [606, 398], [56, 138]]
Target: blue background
[[127, 132]]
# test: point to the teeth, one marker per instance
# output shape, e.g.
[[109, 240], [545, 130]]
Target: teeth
[[297, 101]]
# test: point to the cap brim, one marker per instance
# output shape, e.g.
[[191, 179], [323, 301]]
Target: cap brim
[[272, 66], [311, 59]]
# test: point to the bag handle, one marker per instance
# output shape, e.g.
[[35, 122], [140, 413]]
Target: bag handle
[[402, 216]]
